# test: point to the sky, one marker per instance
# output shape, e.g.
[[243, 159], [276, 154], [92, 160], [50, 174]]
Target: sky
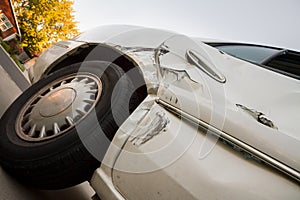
[[268, 22]]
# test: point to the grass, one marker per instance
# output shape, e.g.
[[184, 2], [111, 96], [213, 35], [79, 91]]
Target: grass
[[20, 65], [5, 46], [14, 57]]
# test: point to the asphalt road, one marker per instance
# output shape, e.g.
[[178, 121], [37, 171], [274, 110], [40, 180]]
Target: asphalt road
[[12, 83]]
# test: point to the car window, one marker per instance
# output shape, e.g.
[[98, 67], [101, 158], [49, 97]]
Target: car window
[[282, 61], [287, 63], [256, 54]]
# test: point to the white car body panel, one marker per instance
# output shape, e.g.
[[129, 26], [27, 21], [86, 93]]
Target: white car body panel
[[223, 174], [279, 104], [169, 167], [53, 54], [126, 36], [182, 169]]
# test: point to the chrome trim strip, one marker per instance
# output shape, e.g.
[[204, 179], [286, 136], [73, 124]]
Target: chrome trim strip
[[260, 155]]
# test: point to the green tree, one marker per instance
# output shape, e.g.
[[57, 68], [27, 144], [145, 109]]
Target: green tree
[[44, 22]]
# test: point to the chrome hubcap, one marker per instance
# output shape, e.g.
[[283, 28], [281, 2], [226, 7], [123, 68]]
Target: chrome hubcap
[[56, 102], [58, 107]]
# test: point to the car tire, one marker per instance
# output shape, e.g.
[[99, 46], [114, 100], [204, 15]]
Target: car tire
[[43, 146]]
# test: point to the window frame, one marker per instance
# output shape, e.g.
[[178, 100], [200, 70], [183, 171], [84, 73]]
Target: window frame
[[5, 23]]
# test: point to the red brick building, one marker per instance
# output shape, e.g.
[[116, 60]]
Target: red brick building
[[9, 28]]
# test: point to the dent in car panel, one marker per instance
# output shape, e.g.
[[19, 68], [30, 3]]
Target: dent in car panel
[[154, 123], [259, 116]]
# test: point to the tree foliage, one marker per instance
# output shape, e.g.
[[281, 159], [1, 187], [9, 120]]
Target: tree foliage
[[44, 22]]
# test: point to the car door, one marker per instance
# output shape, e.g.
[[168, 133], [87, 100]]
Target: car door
[[176, 148]]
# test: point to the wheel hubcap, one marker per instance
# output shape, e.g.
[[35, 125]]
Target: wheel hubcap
[[56, 102], [58, 107]]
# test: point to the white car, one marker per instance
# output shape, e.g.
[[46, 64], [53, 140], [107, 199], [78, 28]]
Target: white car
[[150, 114]]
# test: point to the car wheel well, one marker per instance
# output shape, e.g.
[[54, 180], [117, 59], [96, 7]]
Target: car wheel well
[[104, 53], [101, 52]]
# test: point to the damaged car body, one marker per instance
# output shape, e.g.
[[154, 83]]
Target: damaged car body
[[192, 119]]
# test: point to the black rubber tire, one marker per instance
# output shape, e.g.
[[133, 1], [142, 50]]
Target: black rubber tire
[[64, 161]]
